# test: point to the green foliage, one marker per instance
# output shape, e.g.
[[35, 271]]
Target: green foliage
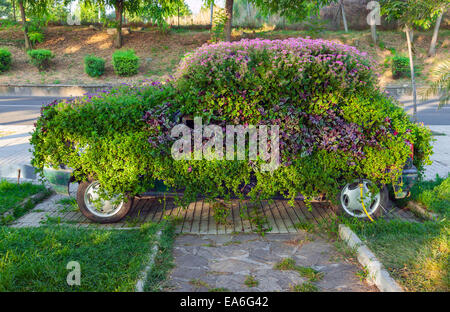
[[94, 66], [251, 281], [292, 10], [400, 67], [416, 254], [12, 194], [434, 195], [35, 29], [335, 126], [218, 27], [5, 60], [440, 83], [36, 37], [40, 58], [289, 264], [421, 13], [125, 63]]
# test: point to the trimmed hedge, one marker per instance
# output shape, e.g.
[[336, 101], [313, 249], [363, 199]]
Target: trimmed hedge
[[125, 63], [5, 60], [41, 58], [400, 67], [335, 124], [94, 66]]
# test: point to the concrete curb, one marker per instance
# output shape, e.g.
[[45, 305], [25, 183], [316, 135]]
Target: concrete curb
[[422, 212], [33, 199], [143, 276], [49, 90], [366, 258]]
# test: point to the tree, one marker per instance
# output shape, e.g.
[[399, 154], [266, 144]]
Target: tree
[[120, 6], [344, 19], [159, 10], [440, 83], [410, 13], [440, 9], [229, 14], [293, 10], [38, 7]]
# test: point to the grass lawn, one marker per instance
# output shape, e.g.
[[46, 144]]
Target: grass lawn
[[416, 254], [11, 194], [35, 259], [434, 195]]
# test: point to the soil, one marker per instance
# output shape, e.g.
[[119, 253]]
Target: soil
[[160, 53]]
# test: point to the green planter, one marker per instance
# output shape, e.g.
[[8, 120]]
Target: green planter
[[58, 179]]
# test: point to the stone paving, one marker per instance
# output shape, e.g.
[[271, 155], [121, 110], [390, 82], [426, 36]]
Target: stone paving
[[14, 152], [212, 262], [441, 155]]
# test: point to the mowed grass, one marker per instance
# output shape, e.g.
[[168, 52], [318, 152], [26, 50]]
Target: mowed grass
[[416, 254], [35, 259], [434, 195], [11, 194]]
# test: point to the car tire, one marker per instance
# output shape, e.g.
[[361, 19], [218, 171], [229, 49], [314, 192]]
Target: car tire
[[350, 205], [103, 212]]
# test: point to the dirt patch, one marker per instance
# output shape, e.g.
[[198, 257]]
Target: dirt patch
[[160, 53]]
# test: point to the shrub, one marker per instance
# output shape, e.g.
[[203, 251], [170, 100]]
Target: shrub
[[125, 63], [36, 37], [335, 125], [40, 58], [94, 66], [5, 60], [400, 67]]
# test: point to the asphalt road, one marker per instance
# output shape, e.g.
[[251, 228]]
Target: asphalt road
[[24, 110]]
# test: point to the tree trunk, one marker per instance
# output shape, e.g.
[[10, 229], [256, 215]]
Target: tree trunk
[[119, 12], [24, 25], [432, 50], [212, 14], [373, 31], [229, 14], [14, 10], [344, 19], [413, 80]]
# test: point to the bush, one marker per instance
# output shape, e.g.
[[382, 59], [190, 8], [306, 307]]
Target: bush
[[400, 67], [125, 63], [334, 124], [40, 58], [5, 60], [94, 66]]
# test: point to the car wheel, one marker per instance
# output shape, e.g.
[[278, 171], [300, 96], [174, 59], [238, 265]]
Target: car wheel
[[100, 210], [350, 200]]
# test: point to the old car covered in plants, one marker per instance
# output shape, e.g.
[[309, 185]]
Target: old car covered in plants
[[339, 135]]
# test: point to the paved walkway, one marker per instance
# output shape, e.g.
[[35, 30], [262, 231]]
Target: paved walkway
[[14, 152], [441, 156], [245, 262]]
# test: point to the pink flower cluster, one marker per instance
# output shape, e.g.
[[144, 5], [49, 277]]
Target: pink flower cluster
[[284, 53]]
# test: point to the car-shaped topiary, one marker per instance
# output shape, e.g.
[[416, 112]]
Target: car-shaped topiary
[[337, 134]]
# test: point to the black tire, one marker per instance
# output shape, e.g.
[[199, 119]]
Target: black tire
[[377, 209], [118, 214]]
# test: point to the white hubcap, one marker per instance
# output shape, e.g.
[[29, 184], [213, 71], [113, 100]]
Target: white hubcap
[[98, 206], [351, 199]]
